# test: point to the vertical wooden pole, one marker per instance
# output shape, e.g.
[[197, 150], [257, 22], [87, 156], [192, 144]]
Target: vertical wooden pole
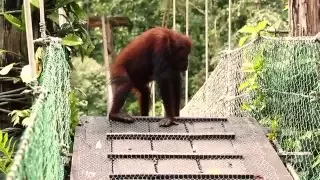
[[229, 31], [153, 86], [206, 37], [105, 25], [174, 14], [29, 35], [187, 71]]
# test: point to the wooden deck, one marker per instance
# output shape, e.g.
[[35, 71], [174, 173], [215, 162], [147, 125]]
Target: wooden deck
[[201, 148]]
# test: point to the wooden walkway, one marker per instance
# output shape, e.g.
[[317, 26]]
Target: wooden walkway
[[197, 148]]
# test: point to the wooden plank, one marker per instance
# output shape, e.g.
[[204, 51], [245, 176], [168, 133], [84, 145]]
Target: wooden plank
[[166, 146], [131, 146], [205, 127], [230, 166], [177, 166], [133, 166], [213, 146]]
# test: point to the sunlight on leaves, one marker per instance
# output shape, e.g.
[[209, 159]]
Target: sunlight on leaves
[[247, 29], [26, 74], [27, 121], [17, 115], [35, 3], [5, 70], [14, 21], [71, 40]]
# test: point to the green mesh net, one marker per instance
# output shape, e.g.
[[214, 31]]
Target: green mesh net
[[275, 81], [40, 154]]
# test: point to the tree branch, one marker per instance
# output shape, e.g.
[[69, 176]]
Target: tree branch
[[5, 111], [197, 8], [13, 91]]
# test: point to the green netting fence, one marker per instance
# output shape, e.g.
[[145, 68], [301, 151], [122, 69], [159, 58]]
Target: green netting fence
[[44, 144], [276, 81]]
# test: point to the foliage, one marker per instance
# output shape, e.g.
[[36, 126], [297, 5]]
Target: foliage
[[279, 81], [89, 78], [252, 32], [74, 32], [74, 118], [74, 35], [146, 14], [6, 152], [20, 116]]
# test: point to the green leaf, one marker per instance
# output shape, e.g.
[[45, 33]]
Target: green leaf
[[71, 40], [261, 25], [307, 135], [247, 29], [62, 3], [5, 70], [35, 3], [54, 16], [248, 67], [27, 121], [253, 86], [244, 85], [25, 74], [6, 150], [243, 40], [22, 16], [316, 161], [258, 63], [14, 21], [2, 51], [79, 12]]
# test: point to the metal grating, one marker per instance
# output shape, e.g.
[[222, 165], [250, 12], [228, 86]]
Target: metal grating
[[184, 176], [196, 148]]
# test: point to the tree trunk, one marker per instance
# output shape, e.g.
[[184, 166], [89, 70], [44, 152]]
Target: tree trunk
[[304, 17]]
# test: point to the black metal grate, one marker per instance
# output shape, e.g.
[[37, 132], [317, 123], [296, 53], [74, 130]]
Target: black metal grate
[[184, 176]]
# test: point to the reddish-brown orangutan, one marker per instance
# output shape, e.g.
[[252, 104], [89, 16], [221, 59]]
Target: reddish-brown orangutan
[[158, 54]]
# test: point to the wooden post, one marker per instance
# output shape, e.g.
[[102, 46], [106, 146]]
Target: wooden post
[[206, 39], [187, 71], [29, 36], [304, 17], [105, 25]]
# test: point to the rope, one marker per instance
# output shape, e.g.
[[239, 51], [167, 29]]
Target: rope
[[174, 14], [206, 34], [229, 31], [42, 22], [187, 71], [315, 38]]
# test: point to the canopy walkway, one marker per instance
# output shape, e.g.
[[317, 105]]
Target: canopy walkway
[[197, 148], [269, 82], [272, 82]]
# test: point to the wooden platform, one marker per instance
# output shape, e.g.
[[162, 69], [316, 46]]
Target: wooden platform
[[201, 148]]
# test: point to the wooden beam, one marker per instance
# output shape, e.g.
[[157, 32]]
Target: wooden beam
[[113, 21]]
